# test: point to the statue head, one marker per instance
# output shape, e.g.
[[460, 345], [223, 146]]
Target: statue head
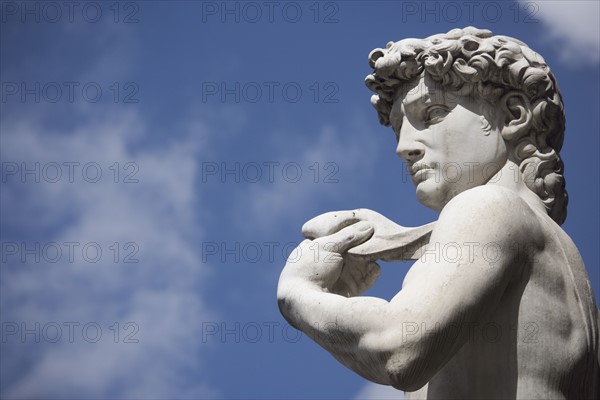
[[498, 77]]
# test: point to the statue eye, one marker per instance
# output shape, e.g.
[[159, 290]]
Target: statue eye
[[436, 114]]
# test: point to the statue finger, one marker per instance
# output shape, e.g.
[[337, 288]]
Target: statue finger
[[328, 224], [346, 238]]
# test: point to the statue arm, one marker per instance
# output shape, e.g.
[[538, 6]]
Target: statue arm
[[405, 341]]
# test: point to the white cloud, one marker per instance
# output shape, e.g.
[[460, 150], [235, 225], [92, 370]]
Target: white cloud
[[160, 293], [573, 27], [373, 391]]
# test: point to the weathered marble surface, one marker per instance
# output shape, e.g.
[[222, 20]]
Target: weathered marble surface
[[498, 303]]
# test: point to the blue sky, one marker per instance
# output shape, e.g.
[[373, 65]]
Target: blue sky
[[180, 146]]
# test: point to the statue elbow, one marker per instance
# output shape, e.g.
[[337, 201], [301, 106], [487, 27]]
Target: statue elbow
[[285, 307], [401, 364], [288, 307], [407, 372]]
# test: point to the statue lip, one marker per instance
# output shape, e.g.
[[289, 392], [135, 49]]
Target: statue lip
[[419, 171], [416, 167]]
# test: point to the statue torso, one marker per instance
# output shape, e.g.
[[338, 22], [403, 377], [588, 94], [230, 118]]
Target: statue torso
[[541, 341]]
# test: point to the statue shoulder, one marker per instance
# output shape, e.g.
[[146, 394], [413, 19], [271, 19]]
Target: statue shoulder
[[490, 212]]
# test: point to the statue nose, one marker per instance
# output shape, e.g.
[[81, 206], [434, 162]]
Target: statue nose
[[412, 152], [409, 148]]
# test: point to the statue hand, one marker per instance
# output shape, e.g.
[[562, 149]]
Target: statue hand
[[320, 262], [359, 272], [390, 241], [331, 222], [357, 275]]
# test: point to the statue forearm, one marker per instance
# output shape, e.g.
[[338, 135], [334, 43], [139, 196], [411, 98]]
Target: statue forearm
[[338, 324]]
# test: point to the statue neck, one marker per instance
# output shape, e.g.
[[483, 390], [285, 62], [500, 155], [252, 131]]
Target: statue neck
[[511, 178]]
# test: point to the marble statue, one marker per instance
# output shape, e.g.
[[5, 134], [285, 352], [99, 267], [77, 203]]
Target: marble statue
[[498, 302]]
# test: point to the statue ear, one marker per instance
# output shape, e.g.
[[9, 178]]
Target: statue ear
[[516, 114]]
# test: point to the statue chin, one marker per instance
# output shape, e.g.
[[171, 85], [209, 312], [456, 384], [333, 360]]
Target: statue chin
[[430, 195]]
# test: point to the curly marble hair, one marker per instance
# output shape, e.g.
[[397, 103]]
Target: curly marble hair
[[492, 66]]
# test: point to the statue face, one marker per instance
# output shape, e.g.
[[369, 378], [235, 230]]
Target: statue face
[[448, 144]]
